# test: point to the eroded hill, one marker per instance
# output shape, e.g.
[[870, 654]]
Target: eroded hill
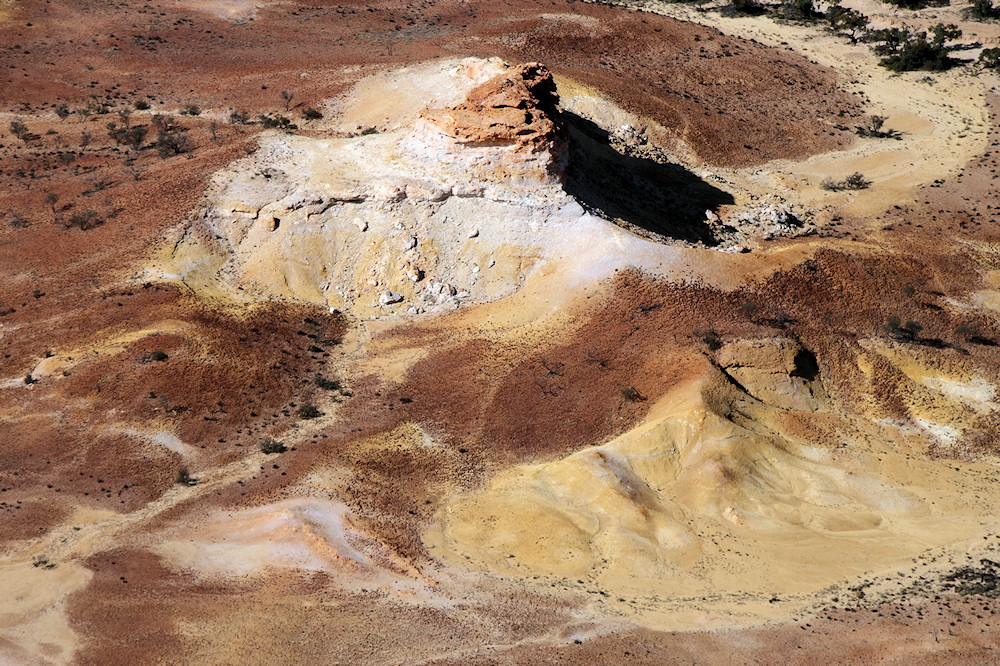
[[538, 339]]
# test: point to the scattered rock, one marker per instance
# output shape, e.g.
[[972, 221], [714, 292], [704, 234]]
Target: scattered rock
[[745, 227], [389, 297]]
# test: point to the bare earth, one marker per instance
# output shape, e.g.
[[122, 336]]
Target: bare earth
[[530, 403]]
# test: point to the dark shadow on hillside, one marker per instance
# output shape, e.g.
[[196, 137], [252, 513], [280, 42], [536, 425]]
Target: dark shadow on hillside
[[648, 197]]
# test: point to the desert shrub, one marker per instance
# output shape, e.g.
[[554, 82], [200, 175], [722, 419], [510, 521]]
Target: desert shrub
[[906, 51], [710, 338], [798, 10], [744, 8], [873, 128], [311, 114], [130, 136], [276, 121], [85, 219], [184, 478], [309, 412], [239, 118], [856, 181], [327, 384], [989, 58], [191, 110], [887, 41], [17, 221], [983, 581], [847, 21], [51, 199], [271, 446], [983, 10], [172, 140], [917, 4], [972, 333], [907, 332], [631, 394], [21, 131], [135, 136], [63, 111], [141, 105]]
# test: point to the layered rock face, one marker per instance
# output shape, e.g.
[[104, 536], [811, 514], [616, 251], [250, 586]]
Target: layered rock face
[[508, 130]]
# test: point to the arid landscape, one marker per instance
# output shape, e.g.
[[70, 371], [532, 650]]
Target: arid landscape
[[537, 332]]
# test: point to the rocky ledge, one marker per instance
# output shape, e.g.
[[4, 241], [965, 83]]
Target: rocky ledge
[[509, 130]]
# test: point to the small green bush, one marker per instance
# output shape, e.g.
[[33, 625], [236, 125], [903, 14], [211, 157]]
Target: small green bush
[[917, 4], [327, 384], [309, 412], [847, 21], [983, 10], [989, 58], [84, 220], [276, 121], [856, 181], [906, 51], [272, 446], [798, 10]]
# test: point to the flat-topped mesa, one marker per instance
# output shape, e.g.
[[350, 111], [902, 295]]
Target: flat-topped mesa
[[508, 132]]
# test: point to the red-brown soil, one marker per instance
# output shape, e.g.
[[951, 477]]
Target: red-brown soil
[[233, 378], [734, 102]]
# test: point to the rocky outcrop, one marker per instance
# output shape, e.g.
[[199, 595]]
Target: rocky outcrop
[[777, 371], [508, 130], [519, 107]]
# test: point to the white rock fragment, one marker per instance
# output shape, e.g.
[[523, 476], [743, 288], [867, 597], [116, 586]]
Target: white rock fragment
[[360, 224], [473, 233], [389, 297]]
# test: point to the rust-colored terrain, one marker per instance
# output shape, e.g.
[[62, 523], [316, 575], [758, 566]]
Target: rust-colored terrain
[[645, 437]]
